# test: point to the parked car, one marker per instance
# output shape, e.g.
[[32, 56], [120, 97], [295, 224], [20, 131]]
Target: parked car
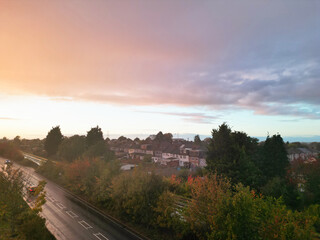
[[8, 162]]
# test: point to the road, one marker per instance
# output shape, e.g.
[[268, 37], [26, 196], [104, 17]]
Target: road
[[69, 218]]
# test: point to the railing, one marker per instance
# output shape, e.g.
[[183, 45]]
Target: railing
[[37, 160]]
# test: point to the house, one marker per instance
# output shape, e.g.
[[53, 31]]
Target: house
[[302, 153], [169, 161]]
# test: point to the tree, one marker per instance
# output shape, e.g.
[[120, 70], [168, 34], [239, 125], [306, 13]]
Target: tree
[[169, 217], [209, 195], [167, 137], [17, 141], [122, 139], [93, 136], [159, 137], [136, 194], [197, 139], [17, 219], [219, 211], [315, 146], [53, 140], [96, 150], [10, 151], [247, 215], [72, 148], [231, 151], [304, 176], [75, 173], [273, 159]]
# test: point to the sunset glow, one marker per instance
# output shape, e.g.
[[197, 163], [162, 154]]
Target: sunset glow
[[138, 67]]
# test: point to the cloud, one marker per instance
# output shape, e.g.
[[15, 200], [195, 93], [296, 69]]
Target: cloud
[[200, 118], [262, 57], [7, 118]]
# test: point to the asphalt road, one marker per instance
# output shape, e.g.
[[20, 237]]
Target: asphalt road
[[68, 218]]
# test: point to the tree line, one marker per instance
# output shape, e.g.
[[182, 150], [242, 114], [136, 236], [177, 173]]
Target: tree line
[[249, 190], [71, 148]]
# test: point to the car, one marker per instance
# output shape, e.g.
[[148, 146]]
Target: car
[[8, 162], [32, 189]]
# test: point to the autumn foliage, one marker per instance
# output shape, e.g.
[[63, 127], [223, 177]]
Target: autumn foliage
[[10, 151]]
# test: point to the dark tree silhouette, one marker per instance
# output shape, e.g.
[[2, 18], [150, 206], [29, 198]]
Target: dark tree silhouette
[[53, 140], [230, 154], [159, 137], [94, 136], [274, 159], [197, 139]]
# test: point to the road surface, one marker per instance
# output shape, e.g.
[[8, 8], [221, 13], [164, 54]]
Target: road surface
[[68, 218]]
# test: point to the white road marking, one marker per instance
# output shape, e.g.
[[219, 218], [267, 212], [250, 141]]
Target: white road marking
[[71, 214], [100, 236], [54, 206], [84, 224], [60, 205], [51, 199]]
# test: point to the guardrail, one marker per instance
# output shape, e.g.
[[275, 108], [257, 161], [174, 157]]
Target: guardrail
[[37, 160]]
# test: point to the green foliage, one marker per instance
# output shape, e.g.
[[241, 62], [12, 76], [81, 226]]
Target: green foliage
[[40, 197], [230, 154], [53, 140], [72, 148], [248, 216], [96, 150], [217, 211], [94, 136], [312, 182], [208, 196], [33, 227], [51, 170], [314, 211], [237, 218], [169, 216], [17, 220], [102, 188], [275, 187], [184, 173], [304, 175], [136, 194], [273, 159]]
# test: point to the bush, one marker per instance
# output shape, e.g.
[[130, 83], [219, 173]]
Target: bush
[[136, 194], [10, 151]]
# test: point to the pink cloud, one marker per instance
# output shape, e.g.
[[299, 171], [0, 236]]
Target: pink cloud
[[178, 53]]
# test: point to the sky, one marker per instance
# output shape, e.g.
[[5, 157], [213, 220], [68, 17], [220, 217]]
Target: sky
[[139, 67]]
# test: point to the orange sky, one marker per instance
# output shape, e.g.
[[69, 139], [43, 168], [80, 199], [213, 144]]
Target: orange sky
[[211, 58], [60, 49]]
